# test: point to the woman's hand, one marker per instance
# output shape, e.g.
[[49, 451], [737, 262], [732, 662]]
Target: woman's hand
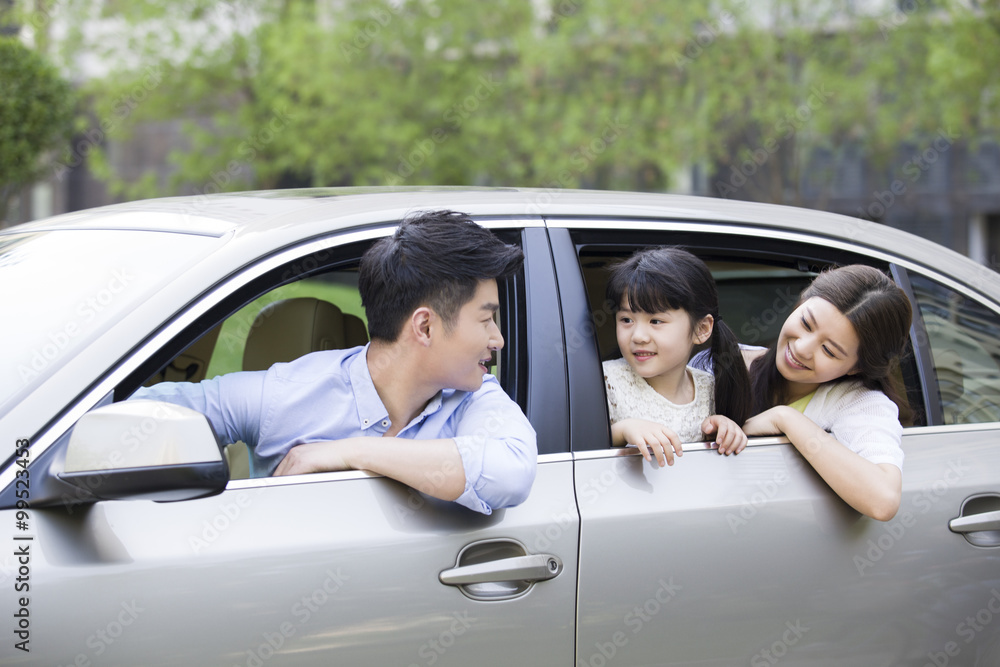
[[728, 435], [648, 437], [769, 422]]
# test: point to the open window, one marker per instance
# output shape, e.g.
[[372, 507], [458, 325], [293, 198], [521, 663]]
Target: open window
[[759, 282], [308, 304]]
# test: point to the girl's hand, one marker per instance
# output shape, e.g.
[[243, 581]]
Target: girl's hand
[[728, 435], [649, 436]]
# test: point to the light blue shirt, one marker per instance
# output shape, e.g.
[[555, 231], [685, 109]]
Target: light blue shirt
[[330, 395]]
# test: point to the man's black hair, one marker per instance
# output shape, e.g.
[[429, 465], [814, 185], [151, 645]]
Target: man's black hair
[[436, 259]]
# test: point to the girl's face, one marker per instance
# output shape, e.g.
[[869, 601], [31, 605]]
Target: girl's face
[[817, 344], [656, 344]]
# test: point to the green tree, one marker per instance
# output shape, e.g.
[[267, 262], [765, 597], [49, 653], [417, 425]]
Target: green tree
[[626, 94], [36, 117]]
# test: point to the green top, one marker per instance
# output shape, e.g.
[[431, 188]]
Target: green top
[[800, 404]]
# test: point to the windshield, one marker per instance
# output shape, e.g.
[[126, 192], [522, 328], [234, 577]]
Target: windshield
[[61, 290]]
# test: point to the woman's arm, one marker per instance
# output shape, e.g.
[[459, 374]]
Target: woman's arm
[[874, 489]]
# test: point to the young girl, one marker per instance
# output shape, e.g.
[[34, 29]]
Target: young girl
[[667, 304], [831, 370]]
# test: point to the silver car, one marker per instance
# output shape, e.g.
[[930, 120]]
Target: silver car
[[131, 537]]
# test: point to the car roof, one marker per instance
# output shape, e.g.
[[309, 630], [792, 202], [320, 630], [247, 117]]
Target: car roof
[[287, 216]]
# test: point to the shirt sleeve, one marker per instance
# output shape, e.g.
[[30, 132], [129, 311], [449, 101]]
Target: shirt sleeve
[[498, 449], [865, 421], [232, 402]]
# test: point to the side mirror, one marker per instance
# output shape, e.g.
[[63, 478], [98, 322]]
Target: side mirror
[[145, 450]]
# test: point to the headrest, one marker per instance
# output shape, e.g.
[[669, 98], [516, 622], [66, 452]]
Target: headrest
[[287, 329]]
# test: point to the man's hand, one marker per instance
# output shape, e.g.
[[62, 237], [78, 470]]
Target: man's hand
[[323, 456], [728, 435], [433, 467]]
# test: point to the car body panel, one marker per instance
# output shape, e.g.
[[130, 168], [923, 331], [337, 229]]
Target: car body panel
[[326, 568], [741, 559], [714, 561]]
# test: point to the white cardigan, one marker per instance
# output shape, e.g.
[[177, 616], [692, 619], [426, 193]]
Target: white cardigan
[[866, 421]]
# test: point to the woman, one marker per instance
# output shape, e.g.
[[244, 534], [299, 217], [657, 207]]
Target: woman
[[832, 369]]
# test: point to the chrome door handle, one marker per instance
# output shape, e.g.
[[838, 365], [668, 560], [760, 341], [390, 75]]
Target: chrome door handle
[[534, 567], [976, 522]]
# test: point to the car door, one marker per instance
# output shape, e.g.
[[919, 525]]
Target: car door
[[344, 568], [751, 559]]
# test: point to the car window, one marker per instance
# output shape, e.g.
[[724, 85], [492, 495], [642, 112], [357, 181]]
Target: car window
[[754, 298], [319, 311], [758, 283], [964, 338]]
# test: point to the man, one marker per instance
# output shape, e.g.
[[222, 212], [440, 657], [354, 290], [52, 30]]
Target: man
[[416, 404]]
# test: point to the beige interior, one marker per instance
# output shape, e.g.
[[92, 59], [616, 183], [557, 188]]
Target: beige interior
[[284, 331]]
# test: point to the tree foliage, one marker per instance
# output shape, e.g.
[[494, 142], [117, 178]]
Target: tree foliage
[[36, 115], [626, 94]]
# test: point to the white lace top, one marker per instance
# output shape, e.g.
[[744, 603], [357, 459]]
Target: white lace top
[[631, 397]]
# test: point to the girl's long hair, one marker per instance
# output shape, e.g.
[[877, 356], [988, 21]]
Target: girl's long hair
[[880, 314], [666, 278]]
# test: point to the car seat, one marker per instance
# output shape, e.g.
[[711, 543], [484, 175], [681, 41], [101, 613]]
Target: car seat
[[284, 331], [287, 329]]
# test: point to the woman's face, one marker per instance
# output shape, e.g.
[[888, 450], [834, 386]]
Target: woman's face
[[817, 344]]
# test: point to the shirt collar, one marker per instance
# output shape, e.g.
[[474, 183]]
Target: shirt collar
[[371, 410]]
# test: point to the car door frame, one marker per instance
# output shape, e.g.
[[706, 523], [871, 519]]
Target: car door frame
[[883, 551], [545, 523]]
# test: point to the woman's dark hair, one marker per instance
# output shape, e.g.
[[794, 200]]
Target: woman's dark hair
[[880, 314], [666, 278], [434, 258]]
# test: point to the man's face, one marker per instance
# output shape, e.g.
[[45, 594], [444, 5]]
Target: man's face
[[463, 354]]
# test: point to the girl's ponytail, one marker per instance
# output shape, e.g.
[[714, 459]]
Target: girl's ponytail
[[732, 381]]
